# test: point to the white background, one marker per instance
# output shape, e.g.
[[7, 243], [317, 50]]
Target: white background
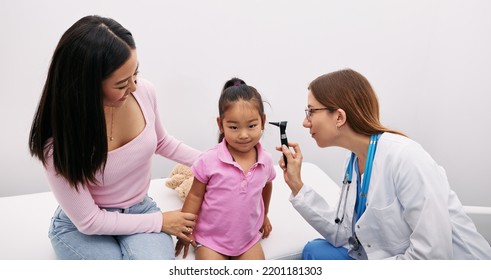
[[428, 60]]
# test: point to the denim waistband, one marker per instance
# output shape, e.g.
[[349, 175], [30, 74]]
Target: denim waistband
[[120, 210], [125, 210]]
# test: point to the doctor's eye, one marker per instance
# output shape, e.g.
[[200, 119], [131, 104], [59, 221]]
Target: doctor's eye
[[310, 111]]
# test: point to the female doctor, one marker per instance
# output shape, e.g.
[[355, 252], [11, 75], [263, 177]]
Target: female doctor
[[395, 201]]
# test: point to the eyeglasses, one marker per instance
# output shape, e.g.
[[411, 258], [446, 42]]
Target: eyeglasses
[[310, 111]]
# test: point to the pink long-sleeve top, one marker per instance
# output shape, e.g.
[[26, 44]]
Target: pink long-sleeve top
[[126, 178]]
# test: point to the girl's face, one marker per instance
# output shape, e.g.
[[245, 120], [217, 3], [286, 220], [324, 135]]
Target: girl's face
[[321, 123], [242, 126], [121, 83]]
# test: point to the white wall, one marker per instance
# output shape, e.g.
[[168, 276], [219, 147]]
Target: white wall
[[429, 62]]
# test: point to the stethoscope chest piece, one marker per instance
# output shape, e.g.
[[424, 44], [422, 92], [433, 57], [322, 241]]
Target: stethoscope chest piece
[[353, 243]]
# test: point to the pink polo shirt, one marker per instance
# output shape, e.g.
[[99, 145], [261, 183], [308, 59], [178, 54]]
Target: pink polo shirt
[[232, 212]]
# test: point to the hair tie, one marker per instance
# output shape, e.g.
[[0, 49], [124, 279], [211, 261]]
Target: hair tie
[[237, 83]]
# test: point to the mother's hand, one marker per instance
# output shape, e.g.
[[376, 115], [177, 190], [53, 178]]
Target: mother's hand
[[292, 171], [179, 224]]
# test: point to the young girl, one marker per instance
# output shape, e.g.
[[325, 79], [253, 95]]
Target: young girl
[[232, 182]]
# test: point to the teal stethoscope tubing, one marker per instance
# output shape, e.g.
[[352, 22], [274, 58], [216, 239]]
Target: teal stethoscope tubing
[[362, 196]]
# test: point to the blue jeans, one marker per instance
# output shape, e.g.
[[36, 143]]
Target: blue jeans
[[71, 244], [321, 249]]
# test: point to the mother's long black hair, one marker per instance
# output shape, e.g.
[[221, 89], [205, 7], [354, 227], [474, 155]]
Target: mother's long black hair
[[70, 115]]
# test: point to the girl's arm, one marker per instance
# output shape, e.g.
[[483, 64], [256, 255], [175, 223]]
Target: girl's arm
[[267, 191], [267, 227], [192, 204], [193, 201]]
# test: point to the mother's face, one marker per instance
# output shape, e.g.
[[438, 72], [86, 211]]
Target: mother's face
[[121, 83]]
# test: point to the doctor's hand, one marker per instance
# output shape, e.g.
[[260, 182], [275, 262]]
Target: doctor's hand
[[292, 172]]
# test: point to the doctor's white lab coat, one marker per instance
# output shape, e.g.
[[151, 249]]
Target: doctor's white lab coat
[[411, 211]]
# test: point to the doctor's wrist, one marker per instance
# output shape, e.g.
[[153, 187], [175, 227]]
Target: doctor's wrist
[[295, 187]]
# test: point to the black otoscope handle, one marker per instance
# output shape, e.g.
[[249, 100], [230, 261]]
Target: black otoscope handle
[[284, 141]]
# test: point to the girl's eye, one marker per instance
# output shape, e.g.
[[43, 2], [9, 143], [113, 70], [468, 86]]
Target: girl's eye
[[232, 127], [253, 126]]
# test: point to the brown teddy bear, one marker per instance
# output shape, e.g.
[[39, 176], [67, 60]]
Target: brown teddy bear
[[180, 179]]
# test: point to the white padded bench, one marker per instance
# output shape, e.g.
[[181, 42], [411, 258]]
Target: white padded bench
[[25, 219]]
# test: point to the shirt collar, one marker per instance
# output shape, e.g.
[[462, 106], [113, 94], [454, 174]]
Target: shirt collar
[[225, 156]]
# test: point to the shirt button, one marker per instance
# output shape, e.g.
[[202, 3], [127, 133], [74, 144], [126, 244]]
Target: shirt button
[[369, 246], [249, 173], [358, 226]]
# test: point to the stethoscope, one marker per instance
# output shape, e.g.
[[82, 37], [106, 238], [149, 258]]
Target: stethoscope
[[348, 175], [362, 196]]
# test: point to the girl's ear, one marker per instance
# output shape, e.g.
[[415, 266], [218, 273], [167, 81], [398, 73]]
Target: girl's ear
[[220, 125], [341, 117]]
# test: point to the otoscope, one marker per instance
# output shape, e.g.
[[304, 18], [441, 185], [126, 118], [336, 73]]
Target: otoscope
[[284, 140]]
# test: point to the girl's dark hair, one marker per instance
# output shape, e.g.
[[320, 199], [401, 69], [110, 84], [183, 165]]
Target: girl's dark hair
[[349, 90], [234, 90], [70, 113]]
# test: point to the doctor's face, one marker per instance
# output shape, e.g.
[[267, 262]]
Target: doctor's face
[[320, 122]]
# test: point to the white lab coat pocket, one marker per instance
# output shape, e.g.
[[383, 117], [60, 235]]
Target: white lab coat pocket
[[390, 231]]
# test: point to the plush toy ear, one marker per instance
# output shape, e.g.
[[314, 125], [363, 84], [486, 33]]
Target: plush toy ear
[[180, 179], [180, 193], [174, 170], [184, 187], [185, 171], [175, 181]]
